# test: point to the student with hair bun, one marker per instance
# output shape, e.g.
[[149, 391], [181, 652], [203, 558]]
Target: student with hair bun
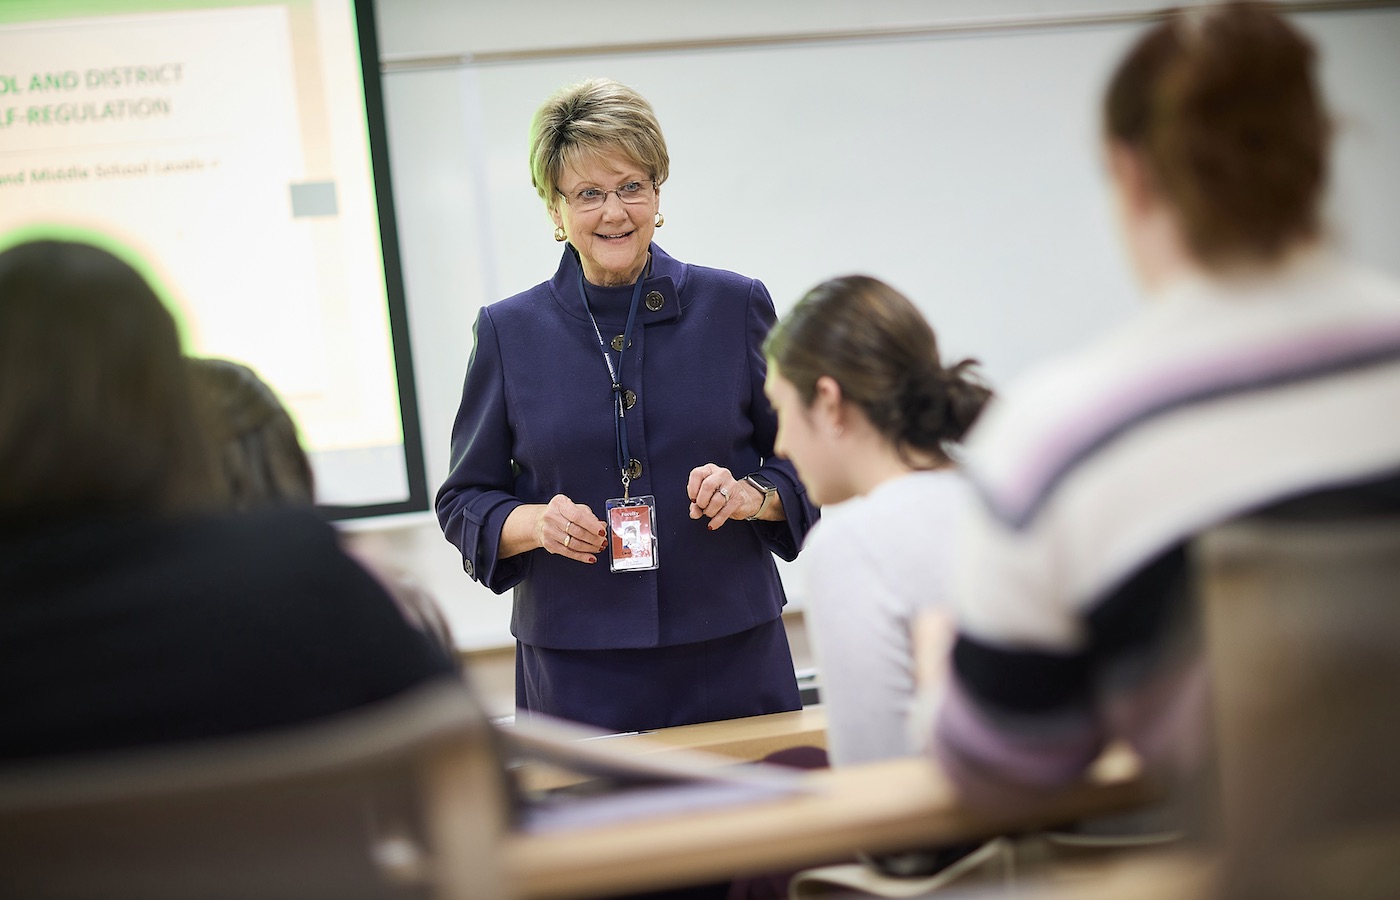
[[870, 417], [1265, 372]]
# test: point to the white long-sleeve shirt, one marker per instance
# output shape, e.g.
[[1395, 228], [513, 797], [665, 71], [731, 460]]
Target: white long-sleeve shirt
[[873, 564]]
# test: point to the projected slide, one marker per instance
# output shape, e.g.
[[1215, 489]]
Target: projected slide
[[228, 146]]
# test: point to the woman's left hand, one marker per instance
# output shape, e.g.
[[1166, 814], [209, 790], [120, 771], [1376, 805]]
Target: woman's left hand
[[716, 493]]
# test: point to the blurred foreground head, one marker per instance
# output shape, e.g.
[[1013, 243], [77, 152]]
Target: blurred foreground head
[[96, 416], [1215, 116]]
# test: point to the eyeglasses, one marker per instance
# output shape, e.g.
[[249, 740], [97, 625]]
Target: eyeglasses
[[592, 198]]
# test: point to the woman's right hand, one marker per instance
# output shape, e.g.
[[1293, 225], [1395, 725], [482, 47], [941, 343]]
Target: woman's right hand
[[566, 528], [561, 527]]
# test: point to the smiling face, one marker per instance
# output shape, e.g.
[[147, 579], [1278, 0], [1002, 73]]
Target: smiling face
[[612, 240]]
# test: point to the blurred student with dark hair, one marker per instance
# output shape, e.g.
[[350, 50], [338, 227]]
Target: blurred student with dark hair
[[1266, 369], [131, 612], [254, 441], [258, 453], [870, 415]]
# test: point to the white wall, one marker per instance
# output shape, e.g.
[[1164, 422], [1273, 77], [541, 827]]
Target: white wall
[[961, 167]]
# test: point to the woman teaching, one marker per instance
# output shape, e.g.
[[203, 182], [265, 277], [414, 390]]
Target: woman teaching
[[625, 395]]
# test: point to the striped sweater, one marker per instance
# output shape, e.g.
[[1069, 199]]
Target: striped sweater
[[1221, 398]]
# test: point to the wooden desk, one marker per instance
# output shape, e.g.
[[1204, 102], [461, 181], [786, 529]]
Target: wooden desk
[[743, 740], [877, 807], [748, 739]]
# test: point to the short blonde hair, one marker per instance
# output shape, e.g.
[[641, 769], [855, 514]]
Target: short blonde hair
[[597, 116]]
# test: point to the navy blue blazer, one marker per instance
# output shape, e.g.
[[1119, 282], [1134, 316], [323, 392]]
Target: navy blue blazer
[[537, 420]]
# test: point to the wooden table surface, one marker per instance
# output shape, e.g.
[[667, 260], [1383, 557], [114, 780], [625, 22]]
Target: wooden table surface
[[729, 741], [876, 807]]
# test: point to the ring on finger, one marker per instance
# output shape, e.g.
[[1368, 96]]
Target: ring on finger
[[568, 538], [724, 492]]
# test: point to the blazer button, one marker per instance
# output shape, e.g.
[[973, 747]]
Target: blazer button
[[629, 399], [634, 470], [617, 343], [655, 301], [469, 568]]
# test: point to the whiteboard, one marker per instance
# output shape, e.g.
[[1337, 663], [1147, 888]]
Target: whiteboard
[[965, 170]]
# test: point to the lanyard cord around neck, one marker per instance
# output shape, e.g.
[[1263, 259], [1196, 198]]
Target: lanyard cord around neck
[[624, 457]]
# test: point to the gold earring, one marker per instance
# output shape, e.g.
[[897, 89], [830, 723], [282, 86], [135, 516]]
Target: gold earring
[[559, 234], [660, 219]]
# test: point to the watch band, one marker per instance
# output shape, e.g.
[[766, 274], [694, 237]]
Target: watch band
[[766, 487]]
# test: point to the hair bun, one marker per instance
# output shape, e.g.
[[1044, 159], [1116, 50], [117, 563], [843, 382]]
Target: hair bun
[[880, 349], [940, 404]]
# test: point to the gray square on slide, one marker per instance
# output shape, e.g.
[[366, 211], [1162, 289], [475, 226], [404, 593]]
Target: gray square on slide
[[314, 198]]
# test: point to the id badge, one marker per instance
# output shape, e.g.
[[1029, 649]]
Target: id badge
[[632, 533]]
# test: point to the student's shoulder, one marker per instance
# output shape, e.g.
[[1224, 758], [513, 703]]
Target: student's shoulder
[[832, 543], [272, 526], [274, 539], [1047, 395], [1065, 403], [868, 530]]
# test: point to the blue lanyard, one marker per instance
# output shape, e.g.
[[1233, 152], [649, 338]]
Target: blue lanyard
[[624, 457]]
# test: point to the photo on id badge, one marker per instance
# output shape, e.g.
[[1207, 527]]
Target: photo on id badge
[[632, 535]]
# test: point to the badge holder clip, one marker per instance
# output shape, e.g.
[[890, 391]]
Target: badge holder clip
[[632, 531]]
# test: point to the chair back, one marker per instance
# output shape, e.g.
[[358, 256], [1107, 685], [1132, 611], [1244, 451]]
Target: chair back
[[1302, 626], [406, 798]]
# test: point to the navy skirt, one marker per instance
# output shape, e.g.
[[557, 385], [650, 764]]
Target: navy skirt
[[744, 674]]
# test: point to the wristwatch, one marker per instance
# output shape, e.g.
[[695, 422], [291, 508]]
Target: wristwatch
[[764, 485]]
